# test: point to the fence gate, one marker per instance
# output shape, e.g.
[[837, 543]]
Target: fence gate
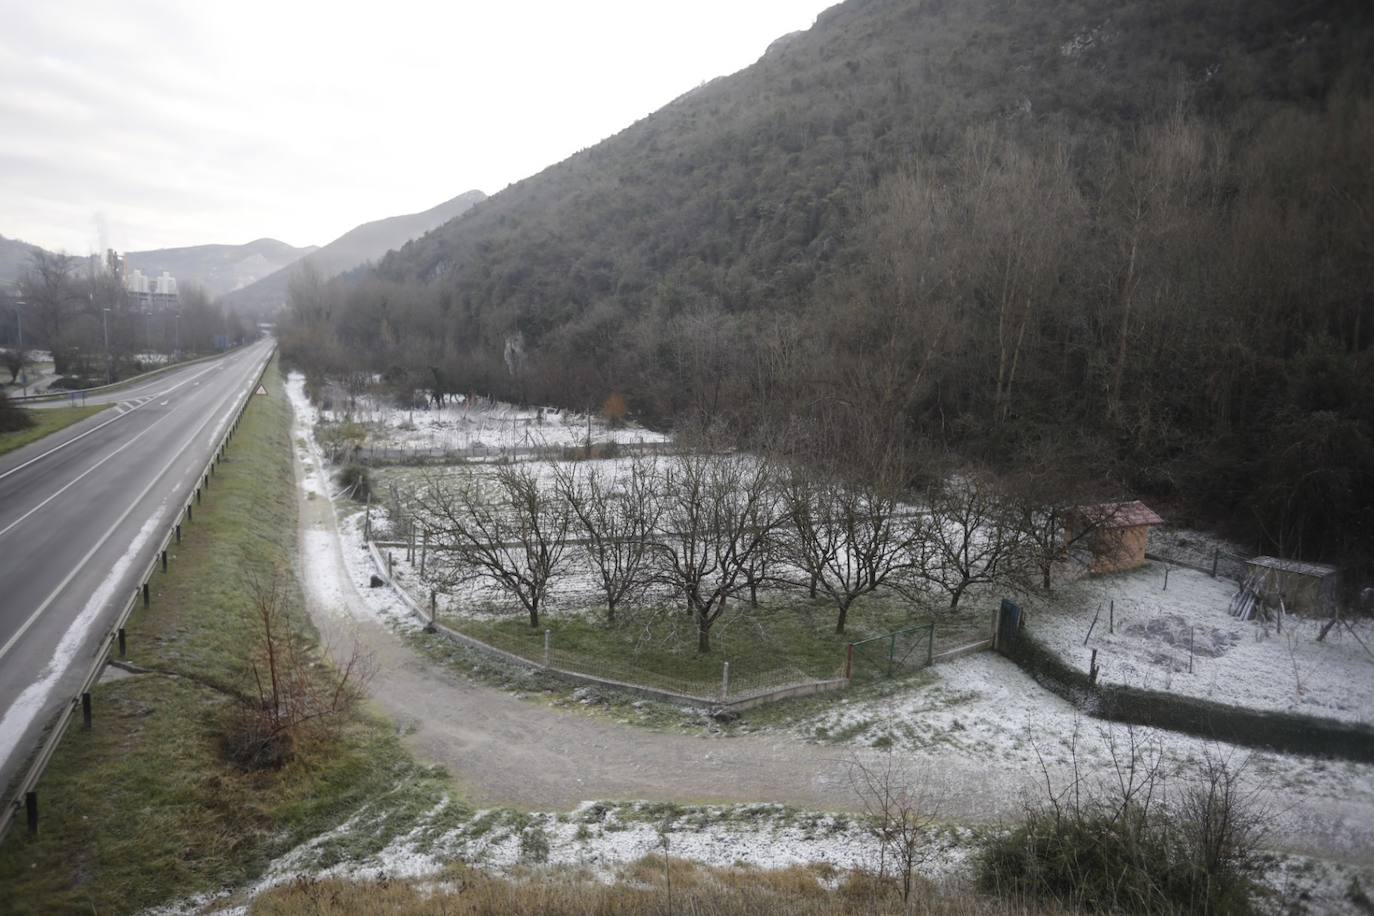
[[891, 654], [1008, 623]]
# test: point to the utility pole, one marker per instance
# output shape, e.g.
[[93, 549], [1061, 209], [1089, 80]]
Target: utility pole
[[109, 362], [19, 316]]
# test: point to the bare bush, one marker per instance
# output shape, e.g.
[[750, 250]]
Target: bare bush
[[899, 814], [294, 696]]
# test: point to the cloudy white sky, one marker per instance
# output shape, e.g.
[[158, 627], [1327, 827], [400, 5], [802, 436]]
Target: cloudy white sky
[[152, 123]]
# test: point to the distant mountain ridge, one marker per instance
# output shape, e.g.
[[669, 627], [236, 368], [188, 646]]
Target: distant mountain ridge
[[219, 269], [361, 244], [14, 259]]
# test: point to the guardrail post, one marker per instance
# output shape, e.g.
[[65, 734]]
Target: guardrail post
[[31, 807], [548, 640], [197, 497], [179, 532], [164, 561], [725, 681], [86, 709], [146, 597], [121, 642]]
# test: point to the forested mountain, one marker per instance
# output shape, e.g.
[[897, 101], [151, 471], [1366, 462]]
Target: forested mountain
[[218, 269], [15, 257], [1133, 239], [357, 246]]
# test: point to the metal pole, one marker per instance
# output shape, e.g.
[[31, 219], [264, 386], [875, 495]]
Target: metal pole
[[849, 662]]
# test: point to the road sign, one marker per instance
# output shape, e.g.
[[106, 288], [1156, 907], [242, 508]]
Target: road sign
[[261, 390]]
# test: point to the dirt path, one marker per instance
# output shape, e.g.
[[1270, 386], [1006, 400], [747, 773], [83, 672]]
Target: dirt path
[[503, 751]]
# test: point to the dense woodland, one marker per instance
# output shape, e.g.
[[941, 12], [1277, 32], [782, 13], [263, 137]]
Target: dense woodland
[[1127, 242]]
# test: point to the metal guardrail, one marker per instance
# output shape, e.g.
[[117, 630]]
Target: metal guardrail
[[26, 794], [68, 394]]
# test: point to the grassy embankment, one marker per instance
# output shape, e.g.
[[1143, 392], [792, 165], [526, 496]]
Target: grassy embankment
[[46, 422], [145, 807], [781, 641]]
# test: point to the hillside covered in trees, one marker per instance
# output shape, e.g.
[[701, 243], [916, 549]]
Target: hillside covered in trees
[[1128, 240]]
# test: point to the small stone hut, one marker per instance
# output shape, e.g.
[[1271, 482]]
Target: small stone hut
[[1116, 533], [1309, 589]]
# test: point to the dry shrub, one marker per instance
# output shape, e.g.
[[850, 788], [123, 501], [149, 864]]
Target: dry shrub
[[698, 891], [294, 698]]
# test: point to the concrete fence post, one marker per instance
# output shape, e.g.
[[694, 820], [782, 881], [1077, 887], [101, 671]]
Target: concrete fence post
[[725, 680], [548, 645]]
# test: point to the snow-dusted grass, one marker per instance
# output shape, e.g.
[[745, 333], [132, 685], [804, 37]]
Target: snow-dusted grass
[[1245, 663], [479, 423]]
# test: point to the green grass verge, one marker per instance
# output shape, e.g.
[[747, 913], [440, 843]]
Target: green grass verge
[[144, 808], [45, 423], [782, 641]]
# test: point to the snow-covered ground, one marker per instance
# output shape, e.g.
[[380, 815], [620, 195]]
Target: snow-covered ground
[[1245, 663], [603, 838], [480, 423]]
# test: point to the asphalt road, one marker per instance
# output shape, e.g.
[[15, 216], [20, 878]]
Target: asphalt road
[[82, 512]]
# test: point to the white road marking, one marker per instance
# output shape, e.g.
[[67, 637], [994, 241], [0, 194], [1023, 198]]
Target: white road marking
[[9, 644], [56, 448]]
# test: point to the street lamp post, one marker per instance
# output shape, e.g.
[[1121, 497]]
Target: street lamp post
[[109, 363], [19, 317], [177, 350]]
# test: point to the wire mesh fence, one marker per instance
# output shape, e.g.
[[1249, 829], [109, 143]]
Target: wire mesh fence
[[892, 654], [1181, 548]]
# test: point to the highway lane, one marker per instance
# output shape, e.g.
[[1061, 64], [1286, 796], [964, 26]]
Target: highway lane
[[81, 515]]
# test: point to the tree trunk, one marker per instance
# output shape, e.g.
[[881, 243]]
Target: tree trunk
[[839, 622], [957, 594], [814, 577], [703, 637], [534, 616]]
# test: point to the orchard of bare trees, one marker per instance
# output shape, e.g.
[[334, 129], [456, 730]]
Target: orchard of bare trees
[[698, 532]]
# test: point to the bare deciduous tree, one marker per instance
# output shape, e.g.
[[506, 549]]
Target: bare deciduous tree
[[719, 513], [618, 518], [970, 539], [847, 537], [502, 527]]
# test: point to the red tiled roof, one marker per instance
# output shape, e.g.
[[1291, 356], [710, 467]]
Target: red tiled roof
[[1116, 515]]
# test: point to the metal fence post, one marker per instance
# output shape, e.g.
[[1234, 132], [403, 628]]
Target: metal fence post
[[725, 681], [849, 662], [930, 646]]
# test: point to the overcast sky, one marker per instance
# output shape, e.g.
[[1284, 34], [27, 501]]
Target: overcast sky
[[149, 123]]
